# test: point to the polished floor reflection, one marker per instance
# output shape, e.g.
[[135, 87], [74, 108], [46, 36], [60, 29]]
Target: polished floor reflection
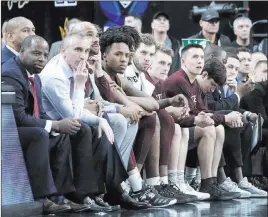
[[234, 208]]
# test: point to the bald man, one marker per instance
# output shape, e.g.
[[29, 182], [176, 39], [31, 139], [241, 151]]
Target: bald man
[[17, 29], [4, 33]]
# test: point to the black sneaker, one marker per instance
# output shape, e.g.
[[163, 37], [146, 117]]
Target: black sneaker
[[216, 193], [257, 182], [150, 195], [172, 191]]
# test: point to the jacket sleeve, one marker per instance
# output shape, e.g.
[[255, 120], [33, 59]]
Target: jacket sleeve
[[22, 118]]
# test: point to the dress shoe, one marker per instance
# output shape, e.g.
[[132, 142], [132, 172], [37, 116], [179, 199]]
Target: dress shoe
[[95, 207], [75, 207], [99, 201], [49, 207]]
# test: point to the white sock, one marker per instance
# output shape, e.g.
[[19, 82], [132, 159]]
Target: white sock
[[180, 176], [153, 181], [135, 181], [173, 176], [190, 173], [164, 180]]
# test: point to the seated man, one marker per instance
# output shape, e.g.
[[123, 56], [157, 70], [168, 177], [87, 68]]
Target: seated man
[[237, 144], [63, 96], [17, 29], [205, 127], [47, 154], [116, 45], [260, 71], [157, 73]]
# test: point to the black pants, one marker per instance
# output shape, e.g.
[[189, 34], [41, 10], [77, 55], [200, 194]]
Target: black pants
[[46, 161]]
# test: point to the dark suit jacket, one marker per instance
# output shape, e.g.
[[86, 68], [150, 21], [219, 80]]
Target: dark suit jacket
[[14, 73], [257, 101], [6, 55], [217, 101]]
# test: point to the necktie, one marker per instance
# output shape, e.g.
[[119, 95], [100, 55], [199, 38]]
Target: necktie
[[228, 92], [36, 108], [87, 87]]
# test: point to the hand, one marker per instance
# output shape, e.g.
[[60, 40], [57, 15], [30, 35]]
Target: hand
[[81, 75], [91, 105], [245, 88], [178, 113], [66, 125], [104, 126], [233, 118], [179, 101], [232, 83], [252, 117], [132, 112], [94, 65], [202, 120], [100, 108]]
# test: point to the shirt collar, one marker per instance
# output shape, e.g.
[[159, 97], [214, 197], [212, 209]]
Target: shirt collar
[[65, 67], [12, 50]]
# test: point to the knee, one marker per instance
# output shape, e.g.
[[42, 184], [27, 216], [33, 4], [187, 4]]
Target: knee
[[150, 121], [220, 131], [185, 134], [178, 131], [118, 121], [85, 129], [209, 132]]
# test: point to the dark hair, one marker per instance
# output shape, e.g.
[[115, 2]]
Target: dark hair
[[243, 49], [190, 46], [213, 51], [99, 30], [231, 55], [27, 42], [134, 15], [216, 70], [232, 50], [120, 34], [147, 39]]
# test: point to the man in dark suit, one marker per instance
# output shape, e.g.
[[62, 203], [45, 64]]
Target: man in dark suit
[[41, 147], [16, 29], [237, 145]]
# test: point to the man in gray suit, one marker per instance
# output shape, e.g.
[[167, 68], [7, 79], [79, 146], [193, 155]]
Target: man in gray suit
[[55, 47]]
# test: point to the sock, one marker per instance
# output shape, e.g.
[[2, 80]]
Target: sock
[[153, 181], [173, 176], [57, 199], [180, 175], [164, 180], [208, 181], [135, 181], [198, 175], [190, 174]]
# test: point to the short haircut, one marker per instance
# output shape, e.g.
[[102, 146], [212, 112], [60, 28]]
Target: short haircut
[[120, 34], [190, 46], [27, 42], [165, 50], [67, 41], [216, 70], [235, 23], [232, 50], [15, 23], [231, 55], [243, 49], [81, 26], [99, 30], [4, 27], [213, 51], [148, 39], [261, 62], [72, 21]]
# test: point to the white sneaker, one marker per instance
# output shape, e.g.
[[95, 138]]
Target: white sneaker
[[255, 192], [187, 189], [230, 186]]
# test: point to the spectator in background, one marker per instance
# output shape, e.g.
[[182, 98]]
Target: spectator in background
[[133, 20], [17, 29], [244, 69], [242, 27], [160, 26], [260, 71], [210, 24], [55, 47], [4, 33]]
